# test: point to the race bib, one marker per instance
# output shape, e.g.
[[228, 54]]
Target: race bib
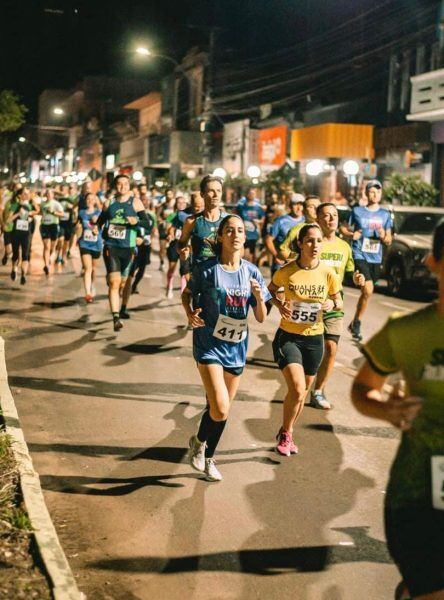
[[22, 225], [178, 234], [117, 232], [437, 463], [371, 245], [47, 219], [305, 312], [65, 216], [89, 236], [230, 330], [249, 226]]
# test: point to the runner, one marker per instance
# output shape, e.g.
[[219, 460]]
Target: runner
[[90, 243], [309, 215], [309, 288], [174, 227], [67, 226], [51, 211], [7, 227], [412, 344], [21, 214], [143, 257], [216, 302], [164, 210], [281, 226], [335, 253], [201, 229], [253, 215], [122, 215], [370, 228]]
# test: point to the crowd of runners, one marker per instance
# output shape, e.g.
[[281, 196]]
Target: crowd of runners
[[305, 249]]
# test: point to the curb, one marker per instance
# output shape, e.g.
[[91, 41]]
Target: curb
[[64, 586]]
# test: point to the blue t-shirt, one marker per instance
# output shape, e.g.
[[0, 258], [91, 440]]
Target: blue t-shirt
[[281, 226], [223, 293], [369, 246], [250, 213], [89, 240]]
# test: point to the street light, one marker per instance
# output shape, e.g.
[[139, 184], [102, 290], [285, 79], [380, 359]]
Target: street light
[[351, 167], [314, 167], [253, 171], [58, 111], [143, 51], [22, 139], [220, 172]]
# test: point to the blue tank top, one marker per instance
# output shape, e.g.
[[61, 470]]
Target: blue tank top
[[119, 233], [221, 294], [204, 233], [88, 240]]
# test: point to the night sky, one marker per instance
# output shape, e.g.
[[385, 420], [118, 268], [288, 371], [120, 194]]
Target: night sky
[[55, 43]]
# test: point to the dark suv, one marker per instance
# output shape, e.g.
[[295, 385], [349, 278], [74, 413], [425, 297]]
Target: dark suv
[[403, 263]]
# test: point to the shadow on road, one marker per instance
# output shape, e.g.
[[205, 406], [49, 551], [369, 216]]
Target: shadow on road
[[274, 561]]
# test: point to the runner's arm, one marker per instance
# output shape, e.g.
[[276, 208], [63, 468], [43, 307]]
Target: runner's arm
[[367, 398], [187, 230]]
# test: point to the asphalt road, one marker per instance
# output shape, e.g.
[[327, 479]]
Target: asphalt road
[[107, 418]]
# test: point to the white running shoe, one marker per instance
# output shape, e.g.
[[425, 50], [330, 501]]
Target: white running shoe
[[196, 454], [170, 294], [211, 471]]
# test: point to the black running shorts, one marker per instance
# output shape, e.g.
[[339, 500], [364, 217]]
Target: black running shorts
[[118, 260], [305, 350]]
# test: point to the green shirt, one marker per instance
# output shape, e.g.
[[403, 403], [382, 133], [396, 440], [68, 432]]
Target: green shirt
[[414, 345], [10, 208]]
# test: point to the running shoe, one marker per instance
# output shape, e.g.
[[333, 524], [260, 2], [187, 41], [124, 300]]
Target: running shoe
[[285, 445], [318, 400], [13, 275], [89, 298], [4, 260], [46, 270], [22, 279], [170, 294], [196, 454], [68, 254], [212, 473], [58, 260], [117, 324], [355, 329], [161, 266], [124, 314]]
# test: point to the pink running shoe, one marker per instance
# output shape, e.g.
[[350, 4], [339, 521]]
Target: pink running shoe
[[285, 445]]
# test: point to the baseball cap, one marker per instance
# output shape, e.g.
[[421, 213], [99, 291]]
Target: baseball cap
[[296, 198], [373, 183]]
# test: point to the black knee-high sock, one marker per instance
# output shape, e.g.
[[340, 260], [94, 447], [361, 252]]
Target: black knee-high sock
[[214, 438], [210, 431]]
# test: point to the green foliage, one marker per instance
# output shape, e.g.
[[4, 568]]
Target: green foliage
[[410, 190], [282, 181], [12, 112]]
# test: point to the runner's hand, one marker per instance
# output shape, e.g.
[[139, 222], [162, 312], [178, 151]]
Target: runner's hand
[[194, 320], [184, 253], [358, 278], [284, 309], [279, 261], [357, 235], [402, 411], [256, 290], [328, 305]]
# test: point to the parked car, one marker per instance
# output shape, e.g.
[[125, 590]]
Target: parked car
[[403, 263]]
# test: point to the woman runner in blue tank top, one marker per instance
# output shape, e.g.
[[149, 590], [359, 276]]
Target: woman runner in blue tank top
[[216, 301], [90, 243]]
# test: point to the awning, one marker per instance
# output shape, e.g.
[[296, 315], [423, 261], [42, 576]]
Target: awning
[[332, 140]]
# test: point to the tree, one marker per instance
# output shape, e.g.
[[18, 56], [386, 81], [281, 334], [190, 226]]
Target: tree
[[12, 112], [410, 190]]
